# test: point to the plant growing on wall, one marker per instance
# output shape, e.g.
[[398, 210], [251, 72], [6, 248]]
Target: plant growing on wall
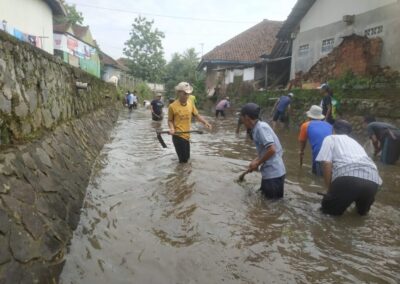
[[145, 51], [73, 15]]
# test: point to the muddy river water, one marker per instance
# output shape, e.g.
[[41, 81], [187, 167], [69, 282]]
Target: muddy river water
[[148, 219]]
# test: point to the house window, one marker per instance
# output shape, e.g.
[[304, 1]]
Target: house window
[[374, 31], [304, 49], [327, 44]]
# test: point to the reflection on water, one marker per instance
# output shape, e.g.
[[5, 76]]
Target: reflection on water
[[148, 219]]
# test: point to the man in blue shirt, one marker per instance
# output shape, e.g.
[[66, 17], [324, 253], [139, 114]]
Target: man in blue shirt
[[269, 150], [315, 130], [281, 109]]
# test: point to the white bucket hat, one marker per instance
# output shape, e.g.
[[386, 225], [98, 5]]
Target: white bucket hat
[[291, 95], [315, 112], [184, 86]]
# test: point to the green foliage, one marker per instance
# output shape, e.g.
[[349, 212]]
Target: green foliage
[[351, 81], [182, 67], [145, 51], [143, 91], [73, 15]]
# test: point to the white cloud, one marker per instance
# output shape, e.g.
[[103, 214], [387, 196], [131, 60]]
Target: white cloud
[[111, 28]]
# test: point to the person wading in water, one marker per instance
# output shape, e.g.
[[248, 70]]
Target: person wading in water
[[156, 106], [350, 175], [180, 114], [269, 151]]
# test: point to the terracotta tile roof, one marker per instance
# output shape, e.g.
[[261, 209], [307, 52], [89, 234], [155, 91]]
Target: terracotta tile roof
[[61, 28], [247, 46], [80, 31]]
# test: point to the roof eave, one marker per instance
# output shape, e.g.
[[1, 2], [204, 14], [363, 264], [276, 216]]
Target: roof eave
[[57, 7]]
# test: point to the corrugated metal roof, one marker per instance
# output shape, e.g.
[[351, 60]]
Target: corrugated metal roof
[[57, 7], [298, 12]]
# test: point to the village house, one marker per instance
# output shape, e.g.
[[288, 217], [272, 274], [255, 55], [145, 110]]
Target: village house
[[31, 20], [315, 28], [114, 72], [75, 45], [240, 58]]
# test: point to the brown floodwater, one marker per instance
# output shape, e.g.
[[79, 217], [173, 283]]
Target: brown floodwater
[[148, 219]]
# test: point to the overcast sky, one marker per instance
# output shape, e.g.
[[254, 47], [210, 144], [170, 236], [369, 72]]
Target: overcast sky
[[186, 23]]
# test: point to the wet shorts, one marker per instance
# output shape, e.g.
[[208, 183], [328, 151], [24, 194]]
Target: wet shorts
[[273, 188], [280, 115], [346, 190], [390, 148], [182, 148]]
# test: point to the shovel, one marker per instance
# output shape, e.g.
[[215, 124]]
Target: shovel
[[161, 140], [241, 177]]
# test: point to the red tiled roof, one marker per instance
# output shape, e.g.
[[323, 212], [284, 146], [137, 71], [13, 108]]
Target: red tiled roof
[[247, 46], [80, 31], [61, 28]]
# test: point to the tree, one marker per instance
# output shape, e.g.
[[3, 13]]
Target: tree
[[145, 51], [182, 67], [73, 15]]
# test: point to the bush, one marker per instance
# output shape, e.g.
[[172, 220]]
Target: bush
[[143, 91]]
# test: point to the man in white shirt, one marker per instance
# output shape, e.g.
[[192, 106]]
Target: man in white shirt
[[350, 175]]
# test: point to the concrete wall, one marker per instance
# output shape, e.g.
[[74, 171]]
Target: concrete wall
[[325, 12], [386, 16], [38, 91], [51, 134], [33, 17]]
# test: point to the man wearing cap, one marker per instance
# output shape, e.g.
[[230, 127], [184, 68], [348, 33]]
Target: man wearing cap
[[281, 109], [385, 137], [315, 130], [269, 150], [157, 108], [221, 106], [350, 175], [180, 114], [328, 103]]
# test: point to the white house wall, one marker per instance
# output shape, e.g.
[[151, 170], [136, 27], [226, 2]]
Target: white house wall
[[229, 76], [109, 72], [248, 74], [387, 17], [32, 17], [325, 12]]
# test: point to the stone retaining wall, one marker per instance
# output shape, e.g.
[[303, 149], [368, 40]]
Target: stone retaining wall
[[51, 133], [38, 91], [42, 187]]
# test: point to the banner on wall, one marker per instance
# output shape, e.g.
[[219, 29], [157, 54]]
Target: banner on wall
[[34, 40], [73, 46]]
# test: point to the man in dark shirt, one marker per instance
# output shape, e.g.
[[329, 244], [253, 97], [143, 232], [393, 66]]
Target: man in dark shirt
[[157, 108], [385, 137], [281, 109], [326, 103]]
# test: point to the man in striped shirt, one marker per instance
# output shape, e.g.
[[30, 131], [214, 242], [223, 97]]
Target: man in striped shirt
[[349, 173]]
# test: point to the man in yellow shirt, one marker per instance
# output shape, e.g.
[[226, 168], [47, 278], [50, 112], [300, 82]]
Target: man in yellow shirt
[[180, 114]]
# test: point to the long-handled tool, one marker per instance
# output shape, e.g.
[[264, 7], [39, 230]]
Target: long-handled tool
[[161, 140], [241, 177]]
